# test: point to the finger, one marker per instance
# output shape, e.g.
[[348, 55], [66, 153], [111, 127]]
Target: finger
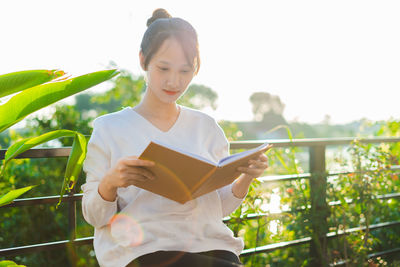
[[141, 178], [258, 164], [138, 178], [259, 156], [133, 180], [263, 157], [142, 172], [131, 161], [249, 171]]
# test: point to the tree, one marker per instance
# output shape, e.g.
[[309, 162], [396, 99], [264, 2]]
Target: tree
[[199, 97], [265, 103]]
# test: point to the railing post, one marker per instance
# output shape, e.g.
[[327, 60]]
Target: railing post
[[319, 208], [72, 230], [71, 217]]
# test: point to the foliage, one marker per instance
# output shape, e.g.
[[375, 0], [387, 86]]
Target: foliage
[[358, 191], [46, 223], [127, 90], [199, 97], [15, 82], [231, 130], [9, 264], [277, 204], [369, 177], [10, 196], [34, 92]]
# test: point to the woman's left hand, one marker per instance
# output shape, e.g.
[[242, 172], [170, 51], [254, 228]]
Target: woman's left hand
[[256, 167]]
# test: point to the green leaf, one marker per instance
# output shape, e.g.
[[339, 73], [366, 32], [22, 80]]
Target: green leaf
[[25, 144], [18, 81], [75, 163], [282, 161], [288, 131], [75, 159], [13, 194], [10, 264], [40, 96]]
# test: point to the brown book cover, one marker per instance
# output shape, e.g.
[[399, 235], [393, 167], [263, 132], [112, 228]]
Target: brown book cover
[[182, 176]]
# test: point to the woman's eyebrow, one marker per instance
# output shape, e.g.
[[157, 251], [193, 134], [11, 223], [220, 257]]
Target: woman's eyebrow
[[167, 63]]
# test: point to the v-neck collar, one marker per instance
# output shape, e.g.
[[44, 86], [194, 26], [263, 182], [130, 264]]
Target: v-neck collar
[[181, 108]]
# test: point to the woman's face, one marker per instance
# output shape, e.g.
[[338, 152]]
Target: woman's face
[[168, 72]]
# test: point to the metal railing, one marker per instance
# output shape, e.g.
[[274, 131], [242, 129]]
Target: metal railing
[[318, 183]]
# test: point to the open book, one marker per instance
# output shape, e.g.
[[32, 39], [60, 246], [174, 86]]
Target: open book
[[182, 176]]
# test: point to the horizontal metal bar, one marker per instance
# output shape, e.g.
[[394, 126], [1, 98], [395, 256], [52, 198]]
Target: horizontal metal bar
[[65, 151], [45, 246], [77, 197], [370, 256], [362, 228], [301, 241], [263, 249], [283, 177], [310, 142], [290, 177], [382, 253], [41, 153], [392, 168], [349, 201], [42, 200], [253, 216], [275, 246]]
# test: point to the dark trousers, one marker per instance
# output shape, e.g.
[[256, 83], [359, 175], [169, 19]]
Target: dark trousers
[[213, 258]]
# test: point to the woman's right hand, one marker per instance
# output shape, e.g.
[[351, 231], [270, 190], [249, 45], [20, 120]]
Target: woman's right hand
[[126, 172]]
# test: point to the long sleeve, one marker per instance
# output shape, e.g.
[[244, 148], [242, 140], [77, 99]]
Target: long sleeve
[[229, 201], [96, 210]]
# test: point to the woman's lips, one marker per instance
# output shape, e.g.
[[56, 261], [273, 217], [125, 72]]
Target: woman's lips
[[170, 92]]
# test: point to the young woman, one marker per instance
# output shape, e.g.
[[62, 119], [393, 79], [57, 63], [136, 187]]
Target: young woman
[[134, 227]]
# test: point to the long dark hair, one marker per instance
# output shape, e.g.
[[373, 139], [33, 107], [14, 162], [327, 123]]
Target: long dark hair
[[162, 26]]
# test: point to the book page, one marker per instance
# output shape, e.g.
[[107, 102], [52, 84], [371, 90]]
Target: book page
[[187, 153], [243, 154]]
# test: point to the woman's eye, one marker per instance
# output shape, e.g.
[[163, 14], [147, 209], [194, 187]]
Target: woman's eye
[[163, 69]]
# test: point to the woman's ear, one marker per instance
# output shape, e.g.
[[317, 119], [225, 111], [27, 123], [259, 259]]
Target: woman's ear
[[141, 59]]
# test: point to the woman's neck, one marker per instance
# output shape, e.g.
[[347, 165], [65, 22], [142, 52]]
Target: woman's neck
[[151, 106]]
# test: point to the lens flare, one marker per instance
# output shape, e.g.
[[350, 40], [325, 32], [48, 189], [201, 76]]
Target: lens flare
[[125, 230]]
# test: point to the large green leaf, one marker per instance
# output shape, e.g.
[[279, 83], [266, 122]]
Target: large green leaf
[[40, 96], [25, 144], [13, 194], [7, 263], [75, 159], [75, 163], [18, 81]]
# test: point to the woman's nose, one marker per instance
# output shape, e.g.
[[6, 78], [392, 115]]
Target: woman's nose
[[173, 80]]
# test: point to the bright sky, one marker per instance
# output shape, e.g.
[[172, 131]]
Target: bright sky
[[340, 58]]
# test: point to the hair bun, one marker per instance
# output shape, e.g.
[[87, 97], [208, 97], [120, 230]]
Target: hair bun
[[159, 13]]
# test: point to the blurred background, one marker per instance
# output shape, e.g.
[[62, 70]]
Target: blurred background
[[327, 62]]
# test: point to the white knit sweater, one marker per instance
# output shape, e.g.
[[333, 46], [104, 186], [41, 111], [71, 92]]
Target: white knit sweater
[[139, 222]]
